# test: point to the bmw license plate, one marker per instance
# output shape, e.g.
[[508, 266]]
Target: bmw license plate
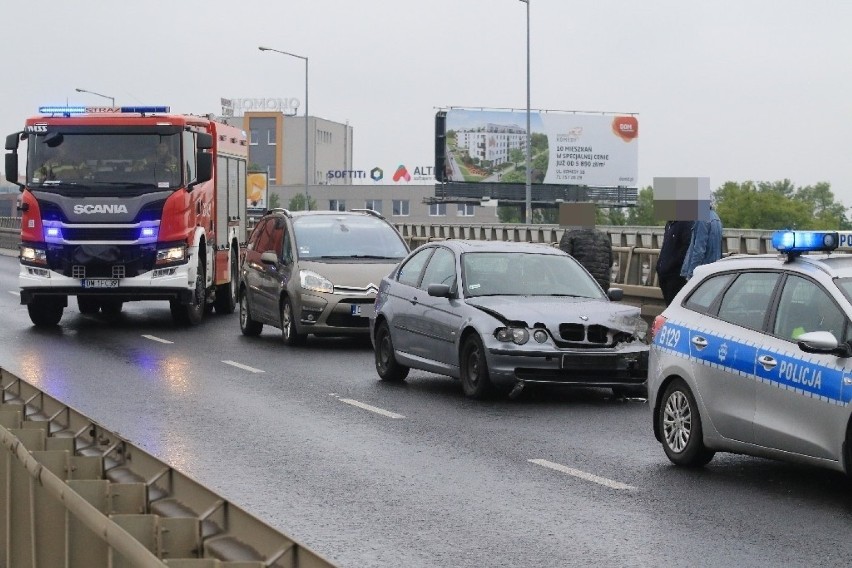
[[363, 310], [100, 283]]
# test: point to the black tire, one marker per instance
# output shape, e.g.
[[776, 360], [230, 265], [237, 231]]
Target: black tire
[[248, 326], [386, 365], [45, 312], [88, 304], [111, 307], [475, 378], [640, 391], [680, 427], [192, 313], [289, 333], [226, 294]]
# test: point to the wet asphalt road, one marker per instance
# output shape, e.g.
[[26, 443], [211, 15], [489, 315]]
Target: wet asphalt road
[[427, 477]]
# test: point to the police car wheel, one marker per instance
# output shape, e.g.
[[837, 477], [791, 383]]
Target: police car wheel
[[680, 427]]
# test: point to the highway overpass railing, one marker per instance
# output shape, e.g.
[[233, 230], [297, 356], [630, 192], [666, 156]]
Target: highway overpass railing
[[75, 494], [635, 248]]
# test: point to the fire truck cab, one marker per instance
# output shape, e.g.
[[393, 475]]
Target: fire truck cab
[[129, 203]]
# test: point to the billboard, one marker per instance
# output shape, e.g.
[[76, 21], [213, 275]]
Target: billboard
[[567, 148], [257, 188]]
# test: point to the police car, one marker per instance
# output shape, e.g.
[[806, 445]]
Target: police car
[[754, 356]]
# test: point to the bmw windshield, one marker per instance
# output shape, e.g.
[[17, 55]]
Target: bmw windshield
[[103, 162], [526, 274]]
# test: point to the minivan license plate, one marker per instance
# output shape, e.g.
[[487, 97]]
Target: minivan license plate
[[363, 310], [100, 283]]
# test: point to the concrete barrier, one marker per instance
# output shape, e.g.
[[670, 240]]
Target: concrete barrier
[[76, 494]]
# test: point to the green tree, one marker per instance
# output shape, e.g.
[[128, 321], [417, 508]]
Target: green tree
[[750, 205], [642, 214], [510, 213], [274, 201], [297, 203], [516, 156]]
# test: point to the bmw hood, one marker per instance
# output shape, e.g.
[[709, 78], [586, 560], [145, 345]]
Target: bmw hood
[[555, 310]]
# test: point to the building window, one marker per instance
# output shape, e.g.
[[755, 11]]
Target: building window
[[466, 209], [438, 210], [400, 208], [337, 205], [253, 138], [374, 204], [270, 137]]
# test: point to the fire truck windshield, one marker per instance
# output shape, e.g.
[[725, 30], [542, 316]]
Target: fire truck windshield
[[109, 161]]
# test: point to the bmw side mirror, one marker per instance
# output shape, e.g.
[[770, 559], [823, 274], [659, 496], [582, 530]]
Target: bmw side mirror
[[439, 290], [615, 294]]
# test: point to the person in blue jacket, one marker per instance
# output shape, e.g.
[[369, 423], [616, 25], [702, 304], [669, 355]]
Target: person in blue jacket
[[705, 245]]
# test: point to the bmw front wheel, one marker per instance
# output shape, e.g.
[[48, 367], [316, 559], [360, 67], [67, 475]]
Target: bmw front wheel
[[386, 364]]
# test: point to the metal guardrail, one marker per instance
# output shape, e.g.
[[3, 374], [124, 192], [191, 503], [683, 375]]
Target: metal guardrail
[[76, 494], [636, 248]]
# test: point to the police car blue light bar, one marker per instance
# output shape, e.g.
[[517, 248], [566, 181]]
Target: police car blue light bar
[[805, 241], [102, 109]]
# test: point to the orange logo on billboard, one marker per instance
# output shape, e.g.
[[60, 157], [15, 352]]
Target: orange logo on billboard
[[625, 127]]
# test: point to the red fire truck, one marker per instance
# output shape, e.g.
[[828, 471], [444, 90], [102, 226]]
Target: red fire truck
[[129, 203]]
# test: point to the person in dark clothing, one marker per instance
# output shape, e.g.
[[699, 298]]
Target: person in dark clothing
[[593, 249], [676, 239]]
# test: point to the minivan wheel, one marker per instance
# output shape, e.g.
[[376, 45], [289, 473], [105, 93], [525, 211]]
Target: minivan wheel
[[288, 325], [475, 378], [386, 364], [680, 427], [248, 326]]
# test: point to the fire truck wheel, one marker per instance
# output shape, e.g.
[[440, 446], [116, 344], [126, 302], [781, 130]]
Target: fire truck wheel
[[111, 307], [45, 312], [193, 313], [88, 304], [226, 294]]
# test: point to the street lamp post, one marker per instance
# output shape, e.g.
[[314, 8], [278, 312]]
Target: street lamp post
[[112, 99], [528, 201], [307, 196]]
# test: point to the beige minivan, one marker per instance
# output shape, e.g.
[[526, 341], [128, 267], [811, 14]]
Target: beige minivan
[[316, 272]]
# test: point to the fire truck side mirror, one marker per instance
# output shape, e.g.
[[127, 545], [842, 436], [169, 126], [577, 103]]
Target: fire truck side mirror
[[203, 141], [12, 141], [12, 169], [205, 167]]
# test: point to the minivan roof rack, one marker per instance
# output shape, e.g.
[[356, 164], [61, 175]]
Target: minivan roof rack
[[372, 212], [279, 210]]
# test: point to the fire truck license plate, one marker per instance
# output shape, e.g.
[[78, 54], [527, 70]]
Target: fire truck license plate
[[100, 283]]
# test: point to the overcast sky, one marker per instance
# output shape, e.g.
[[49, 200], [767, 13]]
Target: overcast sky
[[730, 89]]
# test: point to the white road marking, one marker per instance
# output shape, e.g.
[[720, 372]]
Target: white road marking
[[155, 338], [377, 410], [14, 292], [243, 367], [583, 475]]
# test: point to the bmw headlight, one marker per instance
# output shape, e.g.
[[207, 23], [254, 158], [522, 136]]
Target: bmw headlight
[[313, 281], [633, 324], [33, 255], [171, 255], [540, 336], [518, 335]]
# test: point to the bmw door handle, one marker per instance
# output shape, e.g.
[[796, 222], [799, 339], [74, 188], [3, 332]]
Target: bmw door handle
[[699, 342], [767, 362]]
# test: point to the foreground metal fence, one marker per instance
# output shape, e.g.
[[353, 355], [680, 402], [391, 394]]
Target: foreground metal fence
[[76, 495]]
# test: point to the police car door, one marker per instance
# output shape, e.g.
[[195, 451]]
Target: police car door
[[799, 395], [724, 348]]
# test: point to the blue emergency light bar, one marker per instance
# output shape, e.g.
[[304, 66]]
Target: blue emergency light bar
[[101, 109], [805, 241]]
